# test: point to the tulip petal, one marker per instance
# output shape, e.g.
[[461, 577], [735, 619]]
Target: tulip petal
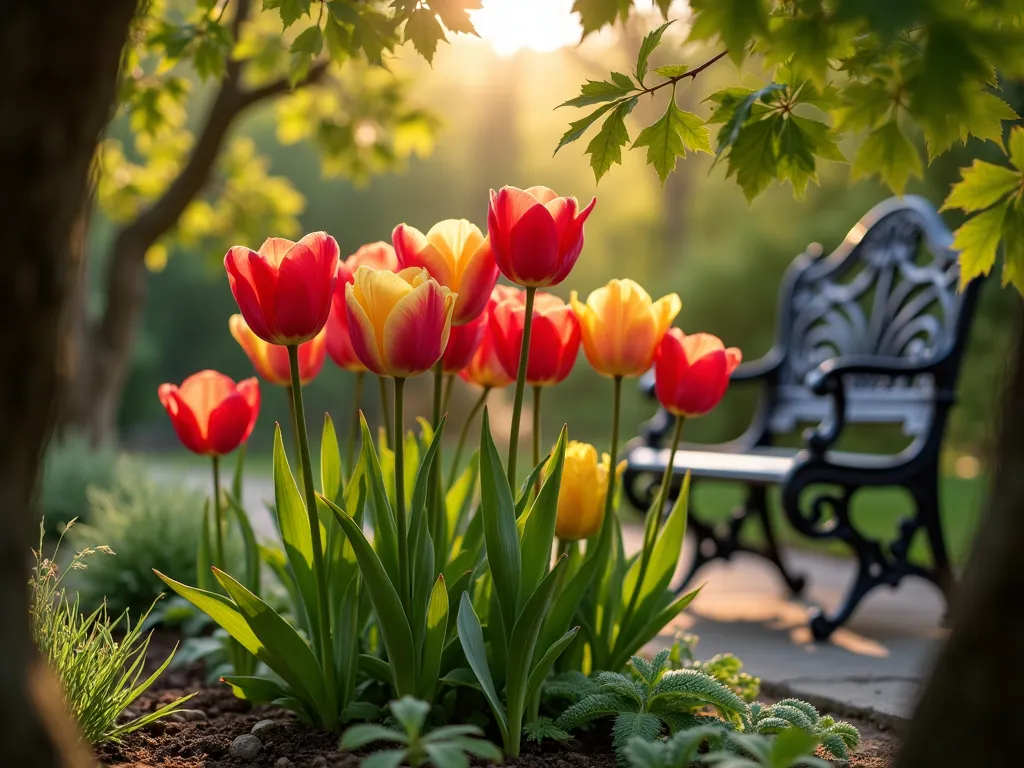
[[545, 351], [704, 384], [414, 249], [229, 424], [506, 326], [479, 276], [733, 357], [362, 334], [253, 289], [534, 252], [416, 331], [274, 249], [462, 343], [299, 292], [250, 390], [311, 357], [182, 419], [339, 341], [203, 391], [544, 195]]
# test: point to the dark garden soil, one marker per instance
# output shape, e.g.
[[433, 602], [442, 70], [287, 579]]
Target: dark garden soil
[[202, 738]]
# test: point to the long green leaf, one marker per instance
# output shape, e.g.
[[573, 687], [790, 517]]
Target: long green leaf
[[540, 669], [433, 645], [421, 544], [524, 638], [237, 478], [377, 669], [539, 525], [330, 461], [250, 545], [220, 609], [299, 666], [526, 489], [472, 638], [501, 536], [460, 496], [394, 625], [294, 524], [626, 647], [384, 527]]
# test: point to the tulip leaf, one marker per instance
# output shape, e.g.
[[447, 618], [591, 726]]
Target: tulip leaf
[[627, 647], [250, 546], [376, 669], [539, 524], [540, 669], [526, 489], [258, 690], [220, 609], [472, 638], [298, 667], [384, 527], [459, 498], [330, 461], [523, 639], [434, 639], [295, 534], [394, 625], [663, 560], [425, 473], [498, 515]]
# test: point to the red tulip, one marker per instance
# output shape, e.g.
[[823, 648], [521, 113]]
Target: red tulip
[[271, 360], [554, 341], [457, 255], [211, 414], [484, 368], [379, 255], [536, 235], [691, 373], [284, 289], [462, 343]]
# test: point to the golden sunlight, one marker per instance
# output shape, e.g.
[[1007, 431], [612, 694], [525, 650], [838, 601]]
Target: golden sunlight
[[539, 25]]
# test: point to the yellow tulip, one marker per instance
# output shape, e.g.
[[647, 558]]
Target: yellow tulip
[[622, 327], [398, 322], [581, 497]]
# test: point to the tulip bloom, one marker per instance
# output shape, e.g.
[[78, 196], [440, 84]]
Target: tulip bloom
[[554, 342], [462, 343], [284, 290], [271, 360], [211, 414], [457, 255], [583, 492], [379, 255], [399, 322], [536, 235], [691, 373], [621, 326]]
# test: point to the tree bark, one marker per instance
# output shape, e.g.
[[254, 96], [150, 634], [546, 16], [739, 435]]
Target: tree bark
[[60, 63], [982, 661]]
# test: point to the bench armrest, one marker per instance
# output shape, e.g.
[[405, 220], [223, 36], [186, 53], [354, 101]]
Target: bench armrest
[[827, 379]]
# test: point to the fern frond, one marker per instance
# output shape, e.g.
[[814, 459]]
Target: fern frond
[[642, 667], [658, 663], [848, 733], [795, 716], [808, 709], [544, 728], [769, 725], [572, 685], [630, 725], [592, 707], [641, 753], [836, 747], [613, 682], [695, 688]]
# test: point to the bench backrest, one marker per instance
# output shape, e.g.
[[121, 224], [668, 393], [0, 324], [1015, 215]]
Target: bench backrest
[[889, 290]]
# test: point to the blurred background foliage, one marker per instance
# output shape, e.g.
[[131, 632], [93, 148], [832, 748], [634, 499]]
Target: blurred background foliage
[[496, 125]]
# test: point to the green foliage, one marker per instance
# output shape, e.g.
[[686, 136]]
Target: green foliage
[[792, 748], [544, 728], [881, 71], [98, 660], [726, 668], [837, 737], [445, 747], [71, 466], [656, 699], [149, 524], [993, 194], [680, 750]]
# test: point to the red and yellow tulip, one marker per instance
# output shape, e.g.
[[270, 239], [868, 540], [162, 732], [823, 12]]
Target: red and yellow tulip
[[458, 256], [210, 413], [399, 322], [379, 255], [536, 236], [554, 343], [271, 360], [284, 289], [621, 326], [691, 373]]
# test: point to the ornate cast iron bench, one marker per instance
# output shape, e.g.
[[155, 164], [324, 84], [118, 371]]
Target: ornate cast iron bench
[[871, 334]]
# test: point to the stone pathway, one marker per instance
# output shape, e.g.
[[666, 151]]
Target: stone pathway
[[873, 666]]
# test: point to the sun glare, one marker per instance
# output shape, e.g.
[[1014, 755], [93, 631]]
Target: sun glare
[[539, 25]]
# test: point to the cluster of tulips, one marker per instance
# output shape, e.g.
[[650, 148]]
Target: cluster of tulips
[[430, 302]]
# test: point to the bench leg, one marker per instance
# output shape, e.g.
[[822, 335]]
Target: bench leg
[[926, 496], [712, 546]]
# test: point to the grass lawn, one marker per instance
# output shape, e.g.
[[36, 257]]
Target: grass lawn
[[876, 513]]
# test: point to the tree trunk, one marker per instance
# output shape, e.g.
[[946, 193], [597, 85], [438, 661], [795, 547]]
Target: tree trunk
[[60, 64], [982, 662]]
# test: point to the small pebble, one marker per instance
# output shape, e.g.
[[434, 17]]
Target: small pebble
[[262, 725], [320, 762], [245, 747], [175, 718], [193, 715], [284, 762]]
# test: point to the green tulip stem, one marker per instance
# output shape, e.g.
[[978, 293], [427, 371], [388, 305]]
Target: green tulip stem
[[357, 398], [434, 503], [385, 404], [613, 448], [218, 514], [449, 386], [464, 433], [517, 407], [326, 647], [536, 430], [438, 393], [403, 528], [652, 524], [289, 391]]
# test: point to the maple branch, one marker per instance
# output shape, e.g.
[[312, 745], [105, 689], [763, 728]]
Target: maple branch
[[316, 72], [688, 73]]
